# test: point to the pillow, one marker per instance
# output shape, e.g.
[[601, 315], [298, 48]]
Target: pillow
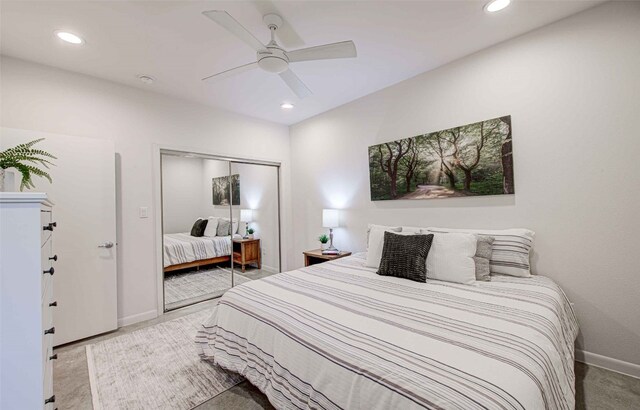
[[482, 257], [511, 249], [411, 229], [451, 258], [234, 226], [198, 227], [389, 228], [223, 227], [212, 226], [376, 243], [405, 256]]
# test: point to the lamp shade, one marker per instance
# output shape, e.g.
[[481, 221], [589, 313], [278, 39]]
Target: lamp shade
[[246, 215], [330, 218]]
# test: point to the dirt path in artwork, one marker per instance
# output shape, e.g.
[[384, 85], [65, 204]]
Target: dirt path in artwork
[[431, 191]]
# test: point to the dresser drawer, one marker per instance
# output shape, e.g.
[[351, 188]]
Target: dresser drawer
[[46, 221], [47, 285]]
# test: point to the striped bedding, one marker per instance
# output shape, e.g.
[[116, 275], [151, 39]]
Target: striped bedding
[[336, 335], [183, 248]]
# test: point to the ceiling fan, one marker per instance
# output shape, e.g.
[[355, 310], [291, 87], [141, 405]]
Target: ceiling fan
[[273, 58]]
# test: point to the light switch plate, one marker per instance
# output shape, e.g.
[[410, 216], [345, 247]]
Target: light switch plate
[[143, 212]]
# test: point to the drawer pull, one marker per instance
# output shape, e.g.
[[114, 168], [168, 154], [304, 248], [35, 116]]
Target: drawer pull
[[54, 357], [50, 271], [51, 399], [54, 258], [52, 304], [50, 226], [50, 331]]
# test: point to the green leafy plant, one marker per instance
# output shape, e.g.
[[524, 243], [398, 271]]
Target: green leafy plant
[[26, 159], [323, 238], [250, 231]]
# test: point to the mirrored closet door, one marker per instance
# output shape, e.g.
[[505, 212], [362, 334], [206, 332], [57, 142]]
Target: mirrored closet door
[[221, 225]]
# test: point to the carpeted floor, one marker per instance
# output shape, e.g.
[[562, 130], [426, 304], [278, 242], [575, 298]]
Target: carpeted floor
[[181, 289], [155, 367]]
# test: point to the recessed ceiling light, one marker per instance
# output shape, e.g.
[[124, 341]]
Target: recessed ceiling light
[[496, 5], [69, 37], [147, 79], [286, 106]]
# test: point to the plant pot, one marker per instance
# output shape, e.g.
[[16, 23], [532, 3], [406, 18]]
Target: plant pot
[[7, 180], [324, 246], [250, 236]]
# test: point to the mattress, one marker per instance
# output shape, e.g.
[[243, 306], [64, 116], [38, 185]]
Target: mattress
[[183, 248], [336, 335]]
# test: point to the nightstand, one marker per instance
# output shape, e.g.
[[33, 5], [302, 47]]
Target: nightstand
[[315, 256], [246, 251]]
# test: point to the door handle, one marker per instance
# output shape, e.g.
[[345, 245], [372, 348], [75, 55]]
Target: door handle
[[106, 245]]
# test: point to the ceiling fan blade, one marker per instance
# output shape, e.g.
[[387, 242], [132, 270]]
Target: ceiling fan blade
[[225, 20], [231, 72], [296, 85], [343, 49]]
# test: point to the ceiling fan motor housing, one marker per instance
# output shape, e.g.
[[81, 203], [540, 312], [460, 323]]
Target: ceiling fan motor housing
[[274, 60]]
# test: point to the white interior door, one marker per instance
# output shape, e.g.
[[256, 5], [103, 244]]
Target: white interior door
[[83, 193]]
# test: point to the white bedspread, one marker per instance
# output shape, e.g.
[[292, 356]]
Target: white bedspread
[[337, 335], [183, 248]]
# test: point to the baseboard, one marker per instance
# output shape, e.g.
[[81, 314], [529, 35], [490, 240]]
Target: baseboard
[[609, 363], [269, 269], [139, 317]]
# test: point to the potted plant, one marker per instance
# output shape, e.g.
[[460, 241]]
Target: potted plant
[[25, 159], [324, 240], [250, 232]]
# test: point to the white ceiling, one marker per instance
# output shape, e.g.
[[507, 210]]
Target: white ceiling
[[173, 42]]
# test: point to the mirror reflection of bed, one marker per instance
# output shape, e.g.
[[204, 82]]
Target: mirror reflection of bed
[[220, 225]]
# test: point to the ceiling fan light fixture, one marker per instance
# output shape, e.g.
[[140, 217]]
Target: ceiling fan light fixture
[[286, 106], [69, 37], [496, 5], [273, 64]]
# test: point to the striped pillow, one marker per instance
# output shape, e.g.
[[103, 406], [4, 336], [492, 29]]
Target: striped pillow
[[511, 249]]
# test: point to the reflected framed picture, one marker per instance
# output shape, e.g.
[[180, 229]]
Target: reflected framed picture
[[220, 190]]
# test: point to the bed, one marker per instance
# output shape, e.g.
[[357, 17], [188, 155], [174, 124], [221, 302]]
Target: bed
[[181, 250], [336, 335]]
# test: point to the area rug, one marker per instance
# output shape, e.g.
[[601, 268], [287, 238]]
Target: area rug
[[155, 368], [192, 285]]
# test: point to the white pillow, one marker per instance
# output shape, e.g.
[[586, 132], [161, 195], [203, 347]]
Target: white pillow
[[389, 228], [451, 257], [376, 244], [212, 226], [234, 226], [510, 252], [412, 229]]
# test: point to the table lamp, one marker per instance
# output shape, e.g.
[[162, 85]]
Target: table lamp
[[330, 219], [246, 215]]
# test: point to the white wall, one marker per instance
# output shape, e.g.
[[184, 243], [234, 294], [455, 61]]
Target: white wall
[[182, 193], [573, 91], [41, 98]]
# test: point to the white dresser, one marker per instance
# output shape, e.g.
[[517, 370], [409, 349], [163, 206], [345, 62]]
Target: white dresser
[[27, 269]]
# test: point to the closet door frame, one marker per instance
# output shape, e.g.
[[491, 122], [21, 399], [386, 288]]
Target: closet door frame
[[158, 151]]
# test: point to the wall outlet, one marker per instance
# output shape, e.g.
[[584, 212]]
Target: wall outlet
[[143, 212]]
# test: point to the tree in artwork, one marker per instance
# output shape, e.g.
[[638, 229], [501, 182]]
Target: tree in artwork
[[469, 160]]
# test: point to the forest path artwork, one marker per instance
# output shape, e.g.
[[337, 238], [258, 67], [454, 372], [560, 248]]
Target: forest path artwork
[[470, 160]]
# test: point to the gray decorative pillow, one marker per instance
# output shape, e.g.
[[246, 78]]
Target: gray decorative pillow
[[484, 248], [405, 256], [224, 227]]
